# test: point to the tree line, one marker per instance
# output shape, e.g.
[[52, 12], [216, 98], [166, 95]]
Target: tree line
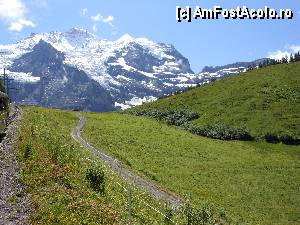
[[285, 59]]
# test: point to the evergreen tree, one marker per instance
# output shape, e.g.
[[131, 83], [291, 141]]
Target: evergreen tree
[[292, 58], [273, 62], [297, 57], [284, 59]]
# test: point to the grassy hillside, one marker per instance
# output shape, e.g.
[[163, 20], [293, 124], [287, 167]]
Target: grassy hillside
[[252, 182], [264, 101], [54, 169]]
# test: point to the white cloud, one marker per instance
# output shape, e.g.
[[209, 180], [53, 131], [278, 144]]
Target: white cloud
[[279, 54], [108, 19], [19, 25], [294, 48], [13, 13], [100, 18], [95, 28], [83, 11], [96, 18]]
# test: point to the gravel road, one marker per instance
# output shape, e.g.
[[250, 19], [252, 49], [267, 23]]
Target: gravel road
[[14, 203]]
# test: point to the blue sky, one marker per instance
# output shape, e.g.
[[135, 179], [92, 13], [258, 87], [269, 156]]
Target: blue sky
[[203, 42]]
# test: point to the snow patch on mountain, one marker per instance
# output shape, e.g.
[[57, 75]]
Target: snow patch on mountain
[[126, 38], [134, 102], [23, 77]]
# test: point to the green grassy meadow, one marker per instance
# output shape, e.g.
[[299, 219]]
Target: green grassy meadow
[[252, 182], [54, 168], [264, 101]]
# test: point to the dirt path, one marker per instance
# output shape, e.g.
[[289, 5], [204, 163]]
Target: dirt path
[[14, 203], [117, 166]]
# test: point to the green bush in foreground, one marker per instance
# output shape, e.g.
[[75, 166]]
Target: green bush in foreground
[[27, 151], [168, 216], [96, 177], [204, 216]]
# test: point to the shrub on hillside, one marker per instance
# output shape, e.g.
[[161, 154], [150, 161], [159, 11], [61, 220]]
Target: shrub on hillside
[[285, 139], [195, 216], [27, 151], [182, 119], [96, 177], [168, 216], [289, 140], [271, 138], [222, 132], [173, 117]]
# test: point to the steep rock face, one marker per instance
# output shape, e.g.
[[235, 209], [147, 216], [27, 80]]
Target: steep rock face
[[59, 85]]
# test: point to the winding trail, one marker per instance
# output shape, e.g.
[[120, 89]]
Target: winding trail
[[117, 166]]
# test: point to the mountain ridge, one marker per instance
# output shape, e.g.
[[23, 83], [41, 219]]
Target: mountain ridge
[[131, 70], [55, 87]]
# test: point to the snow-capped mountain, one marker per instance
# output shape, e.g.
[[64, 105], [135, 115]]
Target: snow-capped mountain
[[77, 65], [132, 70], [57, 84], [209, 73]]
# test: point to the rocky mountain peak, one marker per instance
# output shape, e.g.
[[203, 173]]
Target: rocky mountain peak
[[125, 38]]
